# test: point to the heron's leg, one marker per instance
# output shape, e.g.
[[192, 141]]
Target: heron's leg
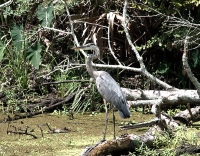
[[114, 123], [106, 124]]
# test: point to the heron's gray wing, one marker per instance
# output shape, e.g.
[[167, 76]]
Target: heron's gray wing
[[112, 93]]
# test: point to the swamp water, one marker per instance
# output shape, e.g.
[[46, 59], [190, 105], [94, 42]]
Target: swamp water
[[86, 129]]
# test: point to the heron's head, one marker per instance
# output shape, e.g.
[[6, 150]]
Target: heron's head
[[89, 46]]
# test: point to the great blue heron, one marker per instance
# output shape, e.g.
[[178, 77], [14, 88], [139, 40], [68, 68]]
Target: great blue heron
[[106, 86]]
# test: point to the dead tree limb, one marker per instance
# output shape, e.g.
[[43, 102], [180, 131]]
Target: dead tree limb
[[170, 97], [54, 105], [20, 131], [187, 67], [44, 109]]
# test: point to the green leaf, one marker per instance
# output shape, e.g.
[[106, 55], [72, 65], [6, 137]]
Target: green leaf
[[34, 55], [45, 14], [195, 58], [17, 36], [177, 35], [164, 67], [2, 48]]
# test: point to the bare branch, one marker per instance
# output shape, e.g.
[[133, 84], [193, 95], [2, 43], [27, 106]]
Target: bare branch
[[140, 125], [6, 4], [64, 32], [109, 17], [72, 29], [187, 68], [139, 58], [66, 81]]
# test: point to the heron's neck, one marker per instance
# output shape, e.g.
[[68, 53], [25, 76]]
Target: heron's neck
[[93, 73]]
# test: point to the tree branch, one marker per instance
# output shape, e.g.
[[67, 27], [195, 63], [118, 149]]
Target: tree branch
[[139, 58], [6, 4], [187, 67], [110, 17]]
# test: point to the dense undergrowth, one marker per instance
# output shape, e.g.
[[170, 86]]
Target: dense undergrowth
[[31, 54], [34, 54]]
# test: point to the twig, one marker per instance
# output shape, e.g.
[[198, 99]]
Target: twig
[[41, 130], [189, 109], [110, 48], [6, 4], [49, 127], [19, 131], [95, 24], [72, 28], [140, 125], [57, 130], [66, 81], [64, 32]]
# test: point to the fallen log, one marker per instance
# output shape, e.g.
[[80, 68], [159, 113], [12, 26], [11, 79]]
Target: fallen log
[[137, 94], [129, 142], [161, 98]]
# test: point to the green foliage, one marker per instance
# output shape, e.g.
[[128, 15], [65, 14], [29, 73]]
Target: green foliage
[[195, 58], [20, 8], [162, 140], [66, 89], [17, 36], [26, 47], [164, 144], [16, 64], [27, 52], [171, 112], [164, 67], [78, 103], [7, 12], [2, 48], [12, 101], [72, 3], [33, 54], [21, 53], [45, 14], [23, 6], [168, 7], [184, 136], [144, 150]]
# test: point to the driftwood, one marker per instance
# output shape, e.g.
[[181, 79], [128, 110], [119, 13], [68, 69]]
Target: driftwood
[[130, 142], [18, 130], [57, 130], [44, 106]]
